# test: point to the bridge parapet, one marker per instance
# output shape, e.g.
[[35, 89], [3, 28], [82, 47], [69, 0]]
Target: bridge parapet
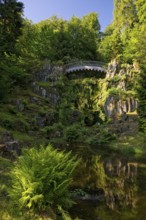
[[85, 65]]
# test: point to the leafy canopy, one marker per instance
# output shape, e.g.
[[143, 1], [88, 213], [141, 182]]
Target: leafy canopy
[[56, 39]]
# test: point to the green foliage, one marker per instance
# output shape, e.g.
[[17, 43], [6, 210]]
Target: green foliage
[[5, 184], [60, 40], [5, 165], [64, 214], [10, 25], [127, 31], [142, 104], [72, 133], [114, 79], [54, 131], [114, 91], [41, 178], [23, 137], [124, 14], [133, 146], [4, 85], [100, 136], [111, 45], [78, 192], [14, 121], [12, 72]]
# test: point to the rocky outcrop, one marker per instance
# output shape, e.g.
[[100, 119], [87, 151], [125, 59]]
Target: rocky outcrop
[[112, 69], [116, 106], [20, 105], [44, 73], [127, 125], [50, 93], [115, 69], [118, 101], [121, 103], [48, 74], [9, 144], [47, 120]]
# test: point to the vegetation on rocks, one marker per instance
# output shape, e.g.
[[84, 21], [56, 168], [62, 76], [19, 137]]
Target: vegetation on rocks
[[41, 104]]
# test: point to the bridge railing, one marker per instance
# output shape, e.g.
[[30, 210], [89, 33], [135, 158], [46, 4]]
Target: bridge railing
[[84, 63]]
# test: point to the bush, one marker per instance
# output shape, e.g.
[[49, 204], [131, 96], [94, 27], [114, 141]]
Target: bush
[[56, 130], [114, 91], [41, 178], [72, 133]]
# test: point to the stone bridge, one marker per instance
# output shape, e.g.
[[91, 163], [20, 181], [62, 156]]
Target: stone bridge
[[54, 71], [85, 65]]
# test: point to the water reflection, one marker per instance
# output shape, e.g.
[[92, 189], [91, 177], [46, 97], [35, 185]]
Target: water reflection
[[122, 185], [111, 185]]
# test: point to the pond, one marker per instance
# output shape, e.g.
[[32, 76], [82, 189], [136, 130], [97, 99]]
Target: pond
[[109, 187]]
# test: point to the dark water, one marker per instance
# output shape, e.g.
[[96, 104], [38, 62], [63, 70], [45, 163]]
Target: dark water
[[114, 188]]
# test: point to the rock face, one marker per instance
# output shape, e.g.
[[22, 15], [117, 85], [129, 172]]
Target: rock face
[[116, 106], [120, 100], [121, 103], [20, 105], [44, 73], [127, 125], [48, 74], [50, 93], [46, 120], [112, 69], [8, 144]]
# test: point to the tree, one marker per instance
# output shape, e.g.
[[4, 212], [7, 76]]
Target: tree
[[84, 37], [135, 51], [111, 45], [41, 179], [10, 24], [125, 14], [10, 29], [56, 39], [117, 35], [125, 39]]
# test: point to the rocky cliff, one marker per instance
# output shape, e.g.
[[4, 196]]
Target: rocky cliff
[[121, 102], [81, 107], [113, 97]]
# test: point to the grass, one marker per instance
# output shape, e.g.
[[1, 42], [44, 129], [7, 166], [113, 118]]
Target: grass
[[44, 84], [133, 146], [22, 136]]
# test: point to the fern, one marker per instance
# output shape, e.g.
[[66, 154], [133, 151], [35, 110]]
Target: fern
[[41, 178], [65, 215]]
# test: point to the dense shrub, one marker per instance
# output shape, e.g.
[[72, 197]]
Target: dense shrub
[[40, 179], [72, 133]]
